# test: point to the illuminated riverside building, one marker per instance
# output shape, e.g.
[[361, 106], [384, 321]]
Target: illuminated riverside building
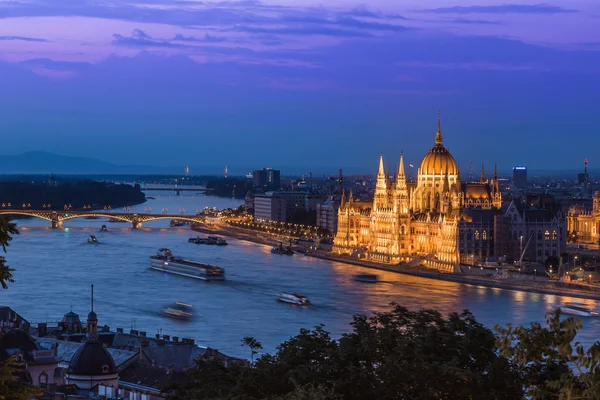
[[423, 218], [584, 225]]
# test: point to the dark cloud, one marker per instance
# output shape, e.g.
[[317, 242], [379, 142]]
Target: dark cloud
[[206, 39], [23, 38], [474, 21], [501, 9], [301, 30], [140, 38]]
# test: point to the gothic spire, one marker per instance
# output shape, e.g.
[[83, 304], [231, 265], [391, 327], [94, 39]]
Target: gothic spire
[[401, 167], [482, 178], [350, 198], [343, 199], [446, 187], [495, 172], [381, 176], [438, 135]]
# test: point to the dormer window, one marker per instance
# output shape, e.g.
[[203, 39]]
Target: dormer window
[[105, 369]]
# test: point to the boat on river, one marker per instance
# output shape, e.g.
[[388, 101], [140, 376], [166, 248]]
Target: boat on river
[[104, 228], [366, 278], [179, 311], [293, 298], [578, 309], [210, 240], [282, 250], [177, 222], [92, 239], [165, 261]]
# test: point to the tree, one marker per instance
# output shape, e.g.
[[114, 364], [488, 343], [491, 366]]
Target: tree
[[11, 388], [7, 229], [399, 354], [254, 346], [551, 365]]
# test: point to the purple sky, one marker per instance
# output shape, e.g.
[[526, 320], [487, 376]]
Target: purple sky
[[301, 85]]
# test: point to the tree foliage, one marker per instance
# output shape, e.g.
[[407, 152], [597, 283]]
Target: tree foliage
[[7, 228], [399, 354], [11, 388], [552, 364]]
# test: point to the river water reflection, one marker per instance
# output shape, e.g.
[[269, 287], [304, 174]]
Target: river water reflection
[[54, 269]]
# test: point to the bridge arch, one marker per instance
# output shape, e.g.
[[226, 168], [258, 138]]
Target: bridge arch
[[16, 213], [148, 218], [125, 217]]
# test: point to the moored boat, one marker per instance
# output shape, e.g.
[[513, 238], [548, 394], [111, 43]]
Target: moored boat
[[578, 309], [366, 278], [104, 228], [282, 250], [293, 298], [92, 239], [165, 261]]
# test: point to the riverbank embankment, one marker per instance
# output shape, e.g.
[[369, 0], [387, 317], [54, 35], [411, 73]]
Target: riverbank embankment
[[543, 286]]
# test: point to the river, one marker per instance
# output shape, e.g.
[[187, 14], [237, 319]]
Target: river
[[54, 268]]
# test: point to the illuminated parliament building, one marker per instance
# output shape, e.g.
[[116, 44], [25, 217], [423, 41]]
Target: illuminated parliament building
[[438, 216]]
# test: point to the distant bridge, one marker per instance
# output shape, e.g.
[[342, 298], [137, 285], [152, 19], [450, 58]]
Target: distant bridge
[[177, 189], [56, 218]]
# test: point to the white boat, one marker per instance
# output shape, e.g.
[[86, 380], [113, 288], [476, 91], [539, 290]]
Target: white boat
[[165, 261], [293, 298], [578, 309], [92, 239]]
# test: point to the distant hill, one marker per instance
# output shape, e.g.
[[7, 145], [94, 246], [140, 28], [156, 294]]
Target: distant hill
[[40, 162]]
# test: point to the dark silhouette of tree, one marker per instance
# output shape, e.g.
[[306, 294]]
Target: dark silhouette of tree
[[11, 387], [254, 346], [399, 354], [7, 228]]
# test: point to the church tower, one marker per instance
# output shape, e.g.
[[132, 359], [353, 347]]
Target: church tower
[[496, 195]]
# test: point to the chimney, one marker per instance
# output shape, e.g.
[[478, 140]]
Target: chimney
[[175, 339], [133, 332], [119, 330], [42, 329], [167, 337], [158, 335], [143, 334]]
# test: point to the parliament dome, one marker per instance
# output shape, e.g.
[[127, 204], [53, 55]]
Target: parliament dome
[[438, 161]]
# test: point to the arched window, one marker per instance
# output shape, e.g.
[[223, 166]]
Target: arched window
[[43, 379], [547, 235], [554, 235], [539, 235], [476, 235], [484, 234]]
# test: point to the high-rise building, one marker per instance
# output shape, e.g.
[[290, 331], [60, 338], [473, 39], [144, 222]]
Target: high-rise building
[[520, 176], [584, 178], [267, 178]]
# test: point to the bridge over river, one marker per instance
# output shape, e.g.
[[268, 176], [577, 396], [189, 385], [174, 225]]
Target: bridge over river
[[56, 218]]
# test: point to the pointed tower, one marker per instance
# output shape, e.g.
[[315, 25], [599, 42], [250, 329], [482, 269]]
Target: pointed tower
[[401, 189], [380, 199], [482, 178], [496, 195], [438, 134], [343, 200], [92, 323]]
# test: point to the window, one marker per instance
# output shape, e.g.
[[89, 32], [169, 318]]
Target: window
[[476, 235], [554, 235], [484, 234], [43, 379], [547, 235], [539, 235]]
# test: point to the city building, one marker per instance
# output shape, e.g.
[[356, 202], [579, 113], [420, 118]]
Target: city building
[[423, 218], [583, 178], [283, 205], [520, 176], [583, 224], [267, 179], [327, 215]]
